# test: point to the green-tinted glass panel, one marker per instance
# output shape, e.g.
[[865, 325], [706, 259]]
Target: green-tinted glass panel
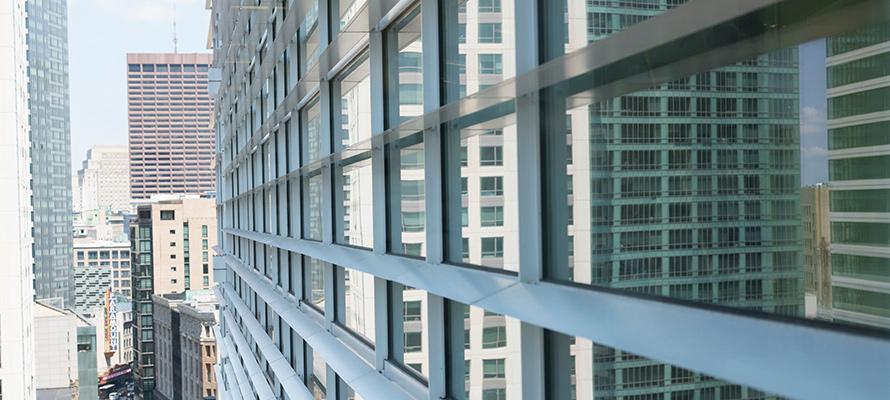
[[859, 70], [861, 301], [859, 103], [856, 40], [876, 167], [864, 267], [874, 134], [876, 200], [865, 233]]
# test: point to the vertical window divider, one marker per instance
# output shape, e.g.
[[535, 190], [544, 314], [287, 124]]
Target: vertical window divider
[[382, 307]]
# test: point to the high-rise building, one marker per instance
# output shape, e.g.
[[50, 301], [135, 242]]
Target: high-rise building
[[16, 279], [816, 255], [171, 239], [417, 199], [859, 168], [170, 126], [103, 182], [50, 149], [185, 348]]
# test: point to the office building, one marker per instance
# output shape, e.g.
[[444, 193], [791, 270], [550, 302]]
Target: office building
[[817, 245], [401, 218], [65, 359], [16, 320], [859, 168], [50, 149], [100, 265], [171, 241], [171, 141], [103, 182], [185, 348]]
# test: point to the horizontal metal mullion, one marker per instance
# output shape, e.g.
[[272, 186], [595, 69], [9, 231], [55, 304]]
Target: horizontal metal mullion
[[779, 355], [245, 383], [287, 377], [355, 371]]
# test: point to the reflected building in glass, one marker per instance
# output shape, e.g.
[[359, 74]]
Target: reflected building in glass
[[363, 245], [689, 190], [859, 170]]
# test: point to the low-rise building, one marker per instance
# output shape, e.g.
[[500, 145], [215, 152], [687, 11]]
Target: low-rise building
[[185, 346], [99, 265], [65, 355]]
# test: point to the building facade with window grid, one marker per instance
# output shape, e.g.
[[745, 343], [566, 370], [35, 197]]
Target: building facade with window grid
[[395, 192], [170, 244], [859, 169], [169, 123]]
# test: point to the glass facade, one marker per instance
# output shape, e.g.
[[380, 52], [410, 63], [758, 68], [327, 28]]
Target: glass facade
[[50, 150], [470, 169], [859, 168]]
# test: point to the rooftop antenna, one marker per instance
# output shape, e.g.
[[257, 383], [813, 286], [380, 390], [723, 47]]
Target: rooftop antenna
[[175, 48]]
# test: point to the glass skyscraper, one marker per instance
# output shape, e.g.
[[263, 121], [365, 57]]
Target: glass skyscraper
[[50, 150], [507, 199], [859, 169]]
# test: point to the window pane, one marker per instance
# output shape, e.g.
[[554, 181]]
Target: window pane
[[407, 197], [355, 205], [479, 47], [359, 302], [309, 40], [312, 224], [314, 282], [405, 90], [312, 139], [485, 188], [492, 363], [317, 379], [355, 105], [408, 336]]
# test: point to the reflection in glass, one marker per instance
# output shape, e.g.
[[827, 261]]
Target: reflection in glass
[[479, 45], [309, 39], [318, 376], [355, 105], [312, 225], [492, 355], [407, 197], [405, 90], [315, 281], [408, 337], [312, 140], [483, 184], [355, 205], [359, 302]]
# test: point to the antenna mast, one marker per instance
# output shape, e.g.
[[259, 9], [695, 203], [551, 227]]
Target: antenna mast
[[175, 48]]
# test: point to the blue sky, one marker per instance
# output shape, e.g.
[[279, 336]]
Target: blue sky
[[100, 34]]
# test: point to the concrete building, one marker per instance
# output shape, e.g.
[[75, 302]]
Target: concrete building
[[816, 244], [171, 141], [50, 149], [65, 360], [859, 174], [101, 225], [103, 182], [185, 348], [100, 265], [16, 279], [172, 239]]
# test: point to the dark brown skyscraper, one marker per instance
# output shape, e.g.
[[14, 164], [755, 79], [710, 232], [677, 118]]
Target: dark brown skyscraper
[[170, 132]]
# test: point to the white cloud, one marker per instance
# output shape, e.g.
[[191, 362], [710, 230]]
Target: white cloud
[[814, 151], [812, 121]]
